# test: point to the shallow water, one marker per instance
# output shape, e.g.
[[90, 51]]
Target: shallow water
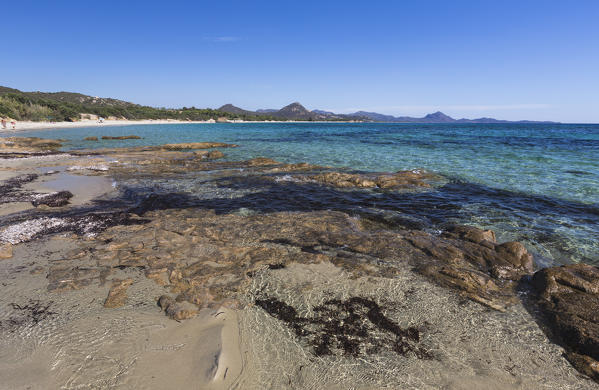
[[536, 183]]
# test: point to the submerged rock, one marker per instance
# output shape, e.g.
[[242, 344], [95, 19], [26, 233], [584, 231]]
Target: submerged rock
[[117, 296], [135, 150], [196, 145], [66, 278], [470, 260], [5, 250], [30, 143], [401, 179], [209, 155], [261, 161], [569, 298], [120, 137], [176, 310]]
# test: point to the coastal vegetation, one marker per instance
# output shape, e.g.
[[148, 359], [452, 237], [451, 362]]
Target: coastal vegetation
[[68, 106]]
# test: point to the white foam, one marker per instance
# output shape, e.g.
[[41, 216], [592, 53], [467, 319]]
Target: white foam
[[88, 167]]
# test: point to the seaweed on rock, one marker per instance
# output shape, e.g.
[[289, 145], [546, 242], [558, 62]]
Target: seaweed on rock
[[11, 191]]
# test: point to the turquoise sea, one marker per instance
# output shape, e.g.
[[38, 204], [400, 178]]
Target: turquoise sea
[[536, 183]]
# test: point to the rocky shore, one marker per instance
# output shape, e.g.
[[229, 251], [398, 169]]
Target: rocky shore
[[265, 274]]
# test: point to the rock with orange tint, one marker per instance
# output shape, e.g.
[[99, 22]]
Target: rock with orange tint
[[5, 250], [117, 296], [177, 310]]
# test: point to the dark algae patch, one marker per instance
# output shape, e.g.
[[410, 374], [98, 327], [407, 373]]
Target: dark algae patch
[[11, 191], [30, 313], [353, 326]]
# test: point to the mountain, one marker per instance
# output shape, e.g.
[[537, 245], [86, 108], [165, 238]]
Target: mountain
[[322, 112], [438, 117], [374, 116], [231, 109], [435, 117], [294, 111]]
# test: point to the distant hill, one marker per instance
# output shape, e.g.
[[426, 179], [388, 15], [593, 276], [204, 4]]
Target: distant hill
[[322, 112], [294, 111], [436, 117], [374, 116], [231, 109], [70, 106]]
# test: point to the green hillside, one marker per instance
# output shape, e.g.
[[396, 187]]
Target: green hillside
[[68, 106]]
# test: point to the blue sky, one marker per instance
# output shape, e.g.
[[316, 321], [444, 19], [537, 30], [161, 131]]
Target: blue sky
[[506, 59]]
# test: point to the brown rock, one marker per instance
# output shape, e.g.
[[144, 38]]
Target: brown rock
[[414, 178], [260, 161], [292, 167], [210, 155], [177, 310], [470, 233], [90, 138], [165, 301], [31, 143], [214, 154], [402, 179], [344, 180], [117, 296], [569, 297], [472, 284], [5, 250], [516, 254], [585, 364], [159, 276], [470, 261], [197, 145]]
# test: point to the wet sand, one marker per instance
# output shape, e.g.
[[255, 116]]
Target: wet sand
[[83, 345], [263, 290]]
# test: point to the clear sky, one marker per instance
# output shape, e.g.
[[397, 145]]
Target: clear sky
[[505, 59]]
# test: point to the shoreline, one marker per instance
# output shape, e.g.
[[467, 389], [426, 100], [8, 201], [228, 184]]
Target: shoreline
[[29, 125], [33, 126]]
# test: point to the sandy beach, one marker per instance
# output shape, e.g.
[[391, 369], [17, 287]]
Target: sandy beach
[[29, 125], [110, 282]]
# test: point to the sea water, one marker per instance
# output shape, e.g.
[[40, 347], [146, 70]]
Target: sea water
[[535, 183]]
